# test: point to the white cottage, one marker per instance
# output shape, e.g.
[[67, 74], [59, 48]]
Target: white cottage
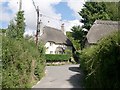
[[55, 40]]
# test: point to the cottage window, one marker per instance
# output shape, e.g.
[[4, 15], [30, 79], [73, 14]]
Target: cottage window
[[51, 52]]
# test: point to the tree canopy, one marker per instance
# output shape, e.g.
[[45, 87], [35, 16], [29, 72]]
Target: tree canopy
[[113, 9], [20, 24], [16, 28], [93, 11], [77, 37]]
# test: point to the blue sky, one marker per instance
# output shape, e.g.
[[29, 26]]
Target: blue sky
[[66, 11], [8, 10], [5, 9]]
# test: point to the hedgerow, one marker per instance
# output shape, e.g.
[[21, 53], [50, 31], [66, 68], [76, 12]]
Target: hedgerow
[[22, 63], [57, 57], [101, 63]]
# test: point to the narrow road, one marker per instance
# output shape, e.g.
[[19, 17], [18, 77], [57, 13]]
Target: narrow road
[[65, 76]]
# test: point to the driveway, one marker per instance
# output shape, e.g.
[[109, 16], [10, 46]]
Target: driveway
[[65, 76]]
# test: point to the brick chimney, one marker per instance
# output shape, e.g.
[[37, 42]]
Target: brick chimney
[[63, 29]]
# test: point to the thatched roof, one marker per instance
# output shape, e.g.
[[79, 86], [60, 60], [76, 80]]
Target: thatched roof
[[54, 35], [100, 29]]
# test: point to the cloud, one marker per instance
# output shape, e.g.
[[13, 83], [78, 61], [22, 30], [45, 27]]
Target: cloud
[[76, 6], [46, 7], [72, 23], [30, 13], [6, 13]]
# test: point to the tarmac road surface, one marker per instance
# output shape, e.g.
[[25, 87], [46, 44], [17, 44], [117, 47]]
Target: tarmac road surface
[[65, 76]]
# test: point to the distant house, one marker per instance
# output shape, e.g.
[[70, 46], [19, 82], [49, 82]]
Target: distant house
[[100, 29], [55, 40]]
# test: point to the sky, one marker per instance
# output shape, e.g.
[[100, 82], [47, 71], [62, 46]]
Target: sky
[[54, 13]]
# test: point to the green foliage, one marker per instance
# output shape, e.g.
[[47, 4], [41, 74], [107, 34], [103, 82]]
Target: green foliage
[[113, 9], [28, 37], [77, 32], [11, 31], [57, 57], [20, 26], [93, 11], [0, 61], [101, 63], [77, 37], [22, 63], [3, 31], [68, 52], [118, 11], [16, 28], [74, 42]]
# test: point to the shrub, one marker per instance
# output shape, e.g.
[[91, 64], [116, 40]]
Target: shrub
[[101, 63], [22, 63], [57, 57], [0, 61], [68, 52]]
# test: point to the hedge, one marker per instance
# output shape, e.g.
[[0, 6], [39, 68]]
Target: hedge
[[22, 63], [57, 57], [101, 63]]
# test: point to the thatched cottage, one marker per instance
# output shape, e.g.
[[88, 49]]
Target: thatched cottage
[[55, 40], [100, 29]]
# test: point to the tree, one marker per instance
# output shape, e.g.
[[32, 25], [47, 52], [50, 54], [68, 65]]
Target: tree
[[113, 9], [74, 42], [78, 34], [16, 28], [77, 37], [93, 11], [20, 24], [2, 31], [11, 31]]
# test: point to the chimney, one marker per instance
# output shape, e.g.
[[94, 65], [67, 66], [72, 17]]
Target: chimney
[[63, 29]]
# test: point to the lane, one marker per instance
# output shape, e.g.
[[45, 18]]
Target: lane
[[65, 76]]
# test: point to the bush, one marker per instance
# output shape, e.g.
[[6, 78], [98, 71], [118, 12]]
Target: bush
[[68, 52], [0, 61], [22, 63], [57, 57], [101, 63]]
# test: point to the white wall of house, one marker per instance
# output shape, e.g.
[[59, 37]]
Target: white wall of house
[[51, 47]]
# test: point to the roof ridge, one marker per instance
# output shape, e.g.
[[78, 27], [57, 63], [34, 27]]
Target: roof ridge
[[56, 35], [100, 29], [53, 28], [108, 22]]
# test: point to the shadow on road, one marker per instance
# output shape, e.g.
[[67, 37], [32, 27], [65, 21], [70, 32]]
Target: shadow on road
[[74, 69], [77, 79]]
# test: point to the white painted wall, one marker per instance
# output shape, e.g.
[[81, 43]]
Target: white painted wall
[[51, 47]]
